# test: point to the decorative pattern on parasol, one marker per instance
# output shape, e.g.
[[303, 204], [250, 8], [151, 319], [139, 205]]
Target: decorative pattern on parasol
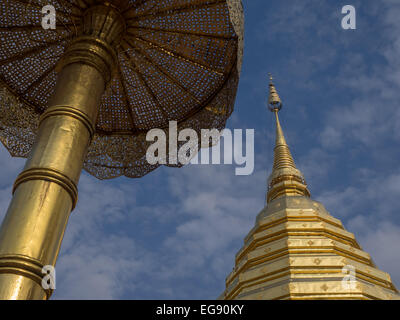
[[179, 60]]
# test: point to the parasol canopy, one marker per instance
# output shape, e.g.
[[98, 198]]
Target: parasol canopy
[[179, 60]]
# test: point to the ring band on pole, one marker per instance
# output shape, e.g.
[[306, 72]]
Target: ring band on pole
[[51, 176], [72, 112]]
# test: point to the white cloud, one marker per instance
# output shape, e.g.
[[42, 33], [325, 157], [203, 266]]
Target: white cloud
[[97, 262], [220, 209], [104, 267], [330, 138]]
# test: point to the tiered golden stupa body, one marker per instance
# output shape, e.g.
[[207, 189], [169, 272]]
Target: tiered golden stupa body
[[296, 249]]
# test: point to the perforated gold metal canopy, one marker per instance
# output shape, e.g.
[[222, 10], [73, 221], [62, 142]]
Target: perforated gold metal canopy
[[178, 60]]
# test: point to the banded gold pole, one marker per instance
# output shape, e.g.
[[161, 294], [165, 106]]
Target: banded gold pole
[[46, 191]]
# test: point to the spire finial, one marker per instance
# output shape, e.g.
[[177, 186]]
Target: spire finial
[[285, 179], [271, 78], [274, 101]]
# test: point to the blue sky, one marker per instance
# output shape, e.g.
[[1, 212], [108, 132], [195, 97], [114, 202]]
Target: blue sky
[[174, 233]]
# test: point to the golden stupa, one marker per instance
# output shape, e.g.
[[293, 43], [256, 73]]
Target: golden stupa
[[296, 249]]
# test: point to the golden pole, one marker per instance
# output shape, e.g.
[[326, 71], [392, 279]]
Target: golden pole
[[46, 191]]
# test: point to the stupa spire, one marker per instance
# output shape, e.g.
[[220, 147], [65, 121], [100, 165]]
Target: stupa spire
[[285, 178], [297, 249]]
